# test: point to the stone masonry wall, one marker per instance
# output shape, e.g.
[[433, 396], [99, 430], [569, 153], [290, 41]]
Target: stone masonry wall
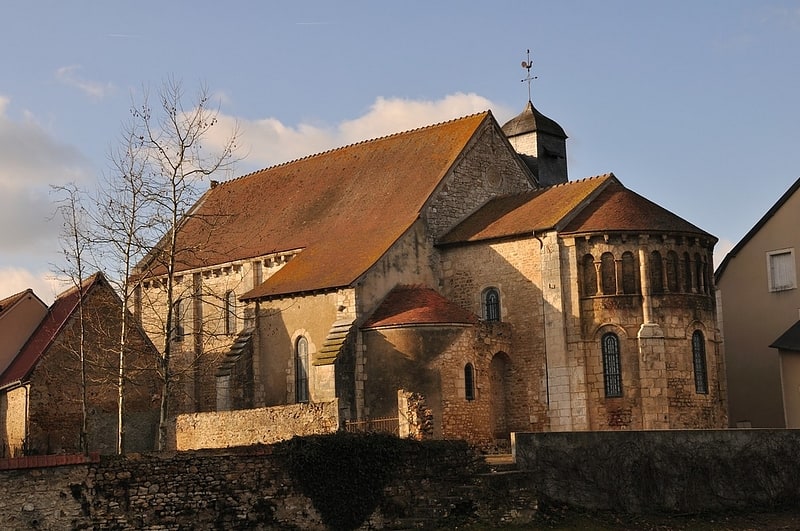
[[246, 427]]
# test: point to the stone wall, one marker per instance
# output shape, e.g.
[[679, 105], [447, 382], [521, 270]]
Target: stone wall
[[409, 485], [691, 471], [245, 427]]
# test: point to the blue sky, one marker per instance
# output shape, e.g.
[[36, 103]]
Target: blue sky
[[693, 104]]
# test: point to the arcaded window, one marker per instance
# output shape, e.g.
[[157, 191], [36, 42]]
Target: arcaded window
[[699, 362], [589, 276], [700, 274], [301, 370], [628, 273], [612, 366], [608, 274], [687, 273], [491, 305], [230, 312], [781, 270], [673, 264], [469, 381], [656, 273], [178, 320]]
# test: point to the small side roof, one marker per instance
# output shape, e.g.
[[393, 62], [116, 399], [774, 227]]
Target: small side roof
[[10, 301], [416, 306], [789, 340], [58, 314]]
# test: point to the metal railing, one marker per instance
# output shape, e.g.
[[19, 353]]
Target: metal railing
[[375, 425]]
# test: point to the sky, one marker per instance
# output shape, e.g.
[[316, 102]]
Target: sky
[[691, 103]]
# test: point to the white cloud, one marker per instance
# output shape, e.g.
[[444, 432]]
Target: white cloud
[[268, 141], [15, 280], [69, 75]]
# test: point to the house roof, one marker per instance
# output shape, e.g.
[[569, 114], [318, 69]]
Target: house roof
[[789, 340], [343, 208], [417, 305], [618, 209], [527, 212], [10, 301], [757, 227], [57, 316]]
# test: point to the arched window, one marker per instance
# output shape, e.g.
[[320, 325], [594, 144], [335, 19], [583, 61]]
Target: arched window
[[469, 382], [687, 273], [672, 271], [230, 312], [656, 273], [699, 362], [589, 276], [608, 274], [301, 370], [612, 366], [178, 317], [491, 305], [700, 274], [628, 273]]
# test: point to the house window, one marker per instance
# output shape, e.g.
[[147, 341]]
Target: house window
[[608, 274], [589, 276], [699, 362], [628, 272], [178, 328], [781, 270], [612, 369], [230, 312], [469, 381], [301, 370], [491, 305]]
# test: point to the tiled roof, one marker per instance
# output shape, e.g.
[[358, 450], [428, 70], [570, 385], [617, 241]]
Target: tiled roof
[[417, 305], [618, 209], [57, 316], [527, 212], [10, 301], [344, 208]]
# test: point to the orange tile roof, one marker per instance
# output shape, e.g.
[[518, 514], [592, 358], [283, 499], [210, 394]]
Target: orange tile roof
[[618, 209], [525, 213], [344, 208], [417, 305]]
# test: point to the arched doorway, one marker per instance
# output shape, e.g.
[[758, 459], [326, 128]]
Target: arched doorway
[[499, 370]]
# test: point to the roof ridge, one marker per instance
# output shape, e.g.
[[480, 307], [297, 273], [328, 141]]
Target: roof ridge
[[583, 180], [353, 144]]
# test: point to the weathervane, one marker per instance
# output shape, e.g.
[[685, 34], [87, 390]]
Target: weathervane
[[527, 65]]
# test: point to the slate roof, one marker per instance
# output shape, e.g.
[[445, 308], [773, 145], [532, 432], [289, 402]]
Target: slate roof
[[524, 213], [789, 340], [618, 209], [57, 316], [344, 208], [417, 305], [530, 120]]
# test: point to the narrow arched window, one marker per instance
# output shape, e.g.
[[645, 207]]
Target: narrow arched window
[[491, 305], [230, 312], [589, 276], [469, 382], [699, 362], [700, 275], [301, 370], [178, 324], [608, 274], [656, 273], [687, 273], [672, 271], [612, 366], [628, 273]]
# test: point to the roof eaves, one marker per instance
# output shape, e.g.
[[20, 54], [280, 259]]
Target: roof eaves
[[753, 231]]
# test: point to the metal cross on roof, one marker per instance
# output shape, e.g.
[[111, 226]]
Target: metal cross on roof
[[527, 65]]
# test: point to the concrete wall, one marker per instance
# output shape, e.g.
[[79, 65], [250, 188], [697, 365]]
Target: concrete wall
[[246, 427], [664, 471]]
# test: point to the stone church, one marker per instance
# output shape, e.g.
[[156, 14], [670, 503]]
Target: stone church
[[454, 264]]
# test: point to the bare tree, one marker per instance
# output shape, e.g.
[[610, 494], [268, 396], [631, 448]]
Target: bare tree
[[173, 161], [76, 245]]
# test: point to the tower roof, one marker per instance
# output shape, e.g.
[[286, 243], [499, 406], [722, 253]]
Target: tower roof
[[531, 120]]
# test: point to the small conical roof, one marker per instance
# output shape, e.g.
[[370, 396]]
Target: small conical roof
[[530, 120]]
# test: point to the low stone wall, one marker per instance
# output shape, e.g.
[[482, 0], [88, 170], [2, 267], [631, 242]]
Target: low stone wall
[[664, 471], [222, 429]]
